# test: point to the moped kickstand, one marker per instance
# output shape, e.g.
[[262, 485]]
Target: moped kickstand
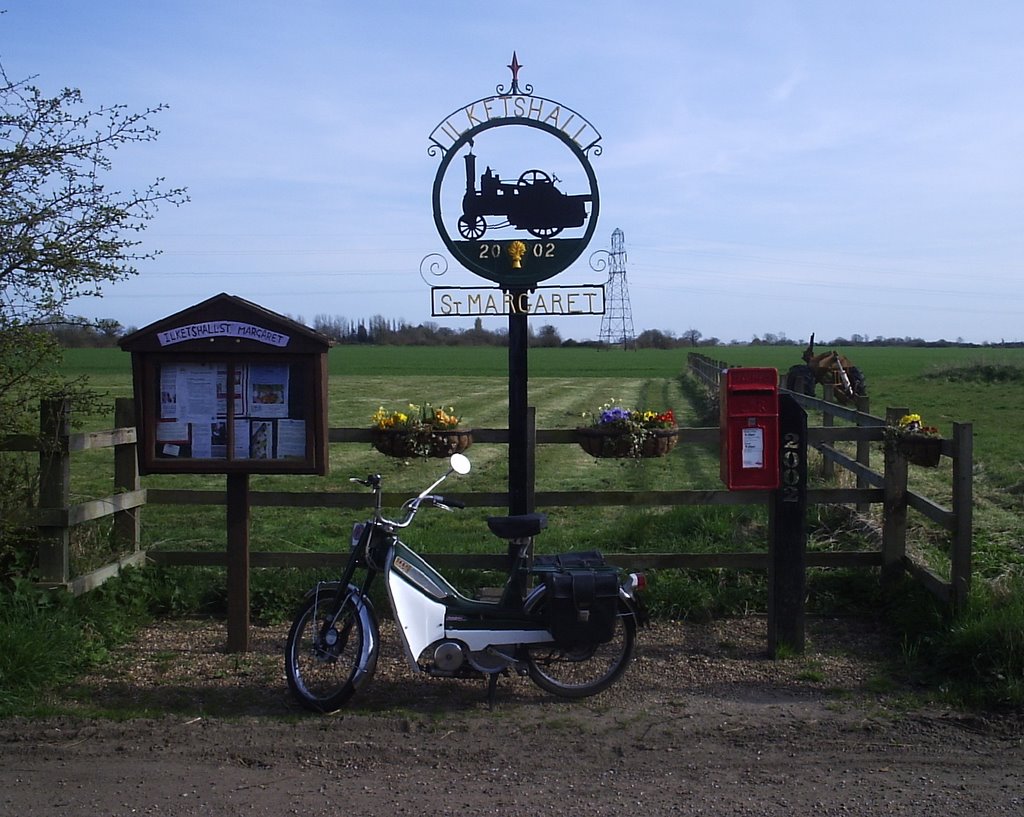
[[492, 689]]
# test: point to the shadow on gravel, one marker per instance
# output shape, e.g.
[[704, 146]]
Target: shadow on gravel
[[182, 667]]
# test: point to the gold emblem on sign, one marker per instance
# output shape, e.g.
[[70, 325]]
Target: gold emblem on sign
[[516, 251]]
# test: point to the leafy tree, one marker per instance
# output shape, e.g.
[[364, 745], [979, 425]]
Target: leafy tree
[[656, 339], [548, 336], [691, 336], [63, 234]]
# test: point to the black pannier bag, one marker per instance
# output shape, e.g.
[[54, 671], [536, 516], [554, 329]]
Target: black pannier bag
[[582, 605]]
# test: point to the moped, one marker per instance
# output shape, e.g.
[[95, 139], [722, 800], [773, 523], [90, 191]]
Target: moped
[[568, 621]]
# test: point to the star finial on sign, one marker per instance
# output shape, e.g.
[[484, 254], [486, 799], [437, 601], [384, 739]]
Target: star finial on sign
[[514, 67]]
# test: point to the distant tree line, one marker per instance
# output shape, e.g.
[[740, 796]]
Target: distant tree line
[[385, 331], [390, 332], [83, 333], [878, 340], [378, 330]]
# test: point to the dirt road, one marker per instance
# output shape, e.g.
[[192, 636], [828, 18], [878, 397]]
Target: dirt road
[[704, 723]]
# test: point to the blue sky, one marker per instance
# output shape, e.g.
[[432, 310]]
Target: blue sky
[[776, 167]]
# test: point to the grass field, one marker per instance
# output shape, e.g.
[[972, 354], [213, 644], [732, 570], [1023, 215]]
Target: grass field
[[564, 382]]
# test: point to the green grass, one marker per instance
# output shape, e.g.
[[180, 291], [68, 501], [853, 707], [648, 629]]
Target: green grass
[[364, 377], [47, 637]]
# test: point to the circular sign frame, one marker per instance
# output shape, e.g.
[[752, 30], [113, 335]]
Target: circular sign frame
[[532, 204]]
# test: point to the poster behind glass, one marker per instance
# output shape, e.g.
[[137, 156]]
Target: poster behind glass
[[268, 416]]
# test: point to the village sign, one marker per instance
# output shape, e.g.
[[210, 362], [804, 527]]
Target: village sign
[[531, 220]]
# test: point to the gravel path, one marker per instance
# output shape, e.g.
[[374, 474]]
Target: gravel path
[[703, 723]]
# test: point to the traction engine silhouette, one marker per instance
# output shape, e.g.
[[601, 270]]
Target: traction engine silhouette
[[531, 203]]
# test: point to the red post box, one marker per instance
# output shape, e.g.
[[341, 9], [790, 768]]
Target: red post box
[[749, 429]]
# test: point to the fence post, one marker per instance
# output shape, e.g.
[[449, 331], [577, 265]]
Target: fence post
[[894, 507], [828, 420], [963, 502], [54, 490], [238, 562], [863, 404], [126, 477]]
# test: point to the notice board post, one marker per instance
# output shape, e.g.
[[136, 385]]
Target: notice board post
[[228, 387]]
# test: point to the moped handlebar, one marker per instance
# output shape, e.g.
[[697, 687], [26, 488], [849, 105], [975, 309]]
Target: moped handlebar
[[459, 465], [446, 504]]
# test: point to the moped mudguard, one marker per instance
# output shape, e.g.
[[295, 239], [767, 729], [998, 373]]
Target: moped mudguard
[[370, 647], [635, 606]]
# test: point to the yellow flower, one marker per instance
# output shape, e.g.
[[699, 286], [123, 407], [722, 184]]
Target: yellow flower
[[909, 419], [425, 416]]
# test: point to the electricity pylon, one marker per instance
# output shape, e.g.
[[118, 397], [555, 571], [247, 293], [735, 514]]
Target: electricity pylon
[[617, 321]]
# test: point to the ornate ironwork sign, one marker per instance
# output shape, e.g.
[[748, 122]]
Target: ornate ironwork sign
[[518, 207]]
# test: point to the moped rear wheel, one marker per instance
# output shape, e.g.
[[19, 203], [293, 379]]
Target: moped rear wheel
[[586, 670], [325, 665]]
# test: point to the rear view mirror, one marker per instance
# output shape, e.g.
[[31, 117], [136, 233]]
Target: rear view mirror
[[460, 463]]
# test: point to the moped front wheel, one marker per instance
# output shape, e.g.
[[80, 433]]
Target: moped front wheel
[[331, 649], [579, 672]]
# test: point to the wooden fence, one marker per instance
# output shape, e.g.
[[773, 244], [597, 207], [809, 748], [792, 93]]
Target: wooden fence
[[56, 515]]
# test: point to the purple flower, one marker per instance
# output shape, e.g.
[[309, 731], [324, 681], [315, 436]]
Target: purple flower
[[613, 415]]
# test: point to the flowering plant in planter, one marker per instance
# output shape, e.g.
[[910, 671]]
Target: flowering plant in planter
[[422, 431], [616, 431], [919, 443]]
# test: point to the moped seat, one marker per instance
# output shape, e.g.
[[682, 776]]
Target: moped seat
[[517, 527]]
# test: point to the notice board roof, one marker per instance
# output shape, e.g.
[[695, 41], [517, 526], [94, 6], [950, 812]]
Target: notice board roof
[[226, 323]]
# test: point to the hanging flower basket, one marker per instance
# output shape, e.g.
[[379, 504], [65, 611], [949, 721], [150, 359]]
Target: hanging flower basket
[[419, 431], [405, 443], [920, 444], [625, 432], [612, 442], [920, 449], [446, 443]]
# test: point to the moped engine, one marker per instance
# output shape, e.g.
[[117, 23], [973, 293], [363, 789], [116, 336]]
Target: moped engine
[[451, 658], [448, 656]]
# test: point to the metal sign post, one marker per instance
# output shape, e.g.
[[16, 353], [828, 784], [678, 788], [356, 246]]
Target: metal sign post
[[519, 494]]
